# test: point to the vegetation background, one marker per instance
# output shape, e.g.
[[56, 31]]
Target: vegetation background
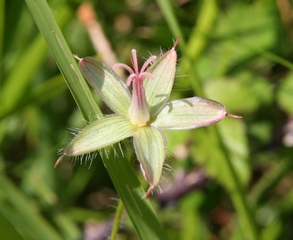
[[229, 181]]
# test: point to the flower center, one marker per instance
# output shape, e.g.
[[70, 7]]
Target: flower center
[[139, 113]]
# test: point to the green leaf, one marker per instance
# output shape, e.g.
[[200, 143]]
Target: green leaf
[[63, 57], [21, 213], [20, 79], [209, 152], [138, 208], [140, 211], [2, 21], [233, 133], [247, 91], [285, 94]]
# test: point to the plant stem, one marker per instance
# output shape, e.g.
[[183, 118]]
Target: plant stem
[[197, 43], [236, 190], [121, 172], [116, 223]]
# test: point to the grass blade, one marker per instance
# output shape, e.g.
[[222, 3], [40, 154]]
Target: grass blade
[[122, 174]]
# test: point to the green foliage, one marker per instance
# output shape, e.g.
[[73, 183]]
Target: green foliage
[[236, 52]]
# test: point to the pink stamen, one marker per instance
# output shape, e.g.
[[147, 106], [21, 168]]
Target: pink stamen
[[134, 61], [148, 62], [146, 74], [138, 110], [129, 79], [135, 74], [122, 65]]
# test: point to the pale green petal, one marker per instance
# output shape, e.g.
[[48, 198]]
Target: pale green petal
[[107, 84], [189, 113], [158, 90], [99, 134], [149, 144]]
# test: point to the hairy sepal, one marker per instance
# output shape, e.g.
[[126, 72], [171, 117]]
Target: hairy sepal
[[189, 113], [106, 84], [158, 89], [100, 134], [150, 147]]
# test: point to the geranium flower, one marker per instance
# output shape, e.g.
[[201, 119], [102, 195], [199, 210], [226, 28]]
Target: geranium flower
[[143, 114]]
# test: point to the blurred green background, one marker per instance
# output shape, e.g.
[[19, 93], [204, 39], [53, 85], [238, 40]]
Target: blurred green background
[[236, 52]]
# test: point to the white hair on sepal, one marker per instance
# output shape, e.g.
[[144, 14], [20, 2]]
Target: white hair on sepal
[[100, 151], [74, 131], [150, 55], [82, 159], [177, 88], [93, 117], [167, 168], [167, 172], [86, 158], [162, 51], [126, 147], [95, 154], [103, 153], [127, 144], [165, 177], [116, 149], [60, 151], [115, 154], [106, 151], [113, 148], [157, 190], [72, 159], [120, 148], [90, 157]]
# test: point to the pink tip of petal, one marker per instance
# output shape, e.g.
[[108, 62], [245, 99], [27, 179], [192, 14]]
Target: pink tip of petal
[[77, 57], [176, 42], [58, 161], [150, 190], [233, 116]]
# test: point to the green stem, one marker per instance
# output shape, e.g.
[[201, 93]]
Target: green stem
[[116, 223], [166, 8], [2, 24], [192, 51], [236, 190], [121, 172], [264, 53], [63, 57]]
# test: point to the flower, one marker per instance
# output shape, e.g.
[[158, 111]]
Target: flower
[[142, 115]]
